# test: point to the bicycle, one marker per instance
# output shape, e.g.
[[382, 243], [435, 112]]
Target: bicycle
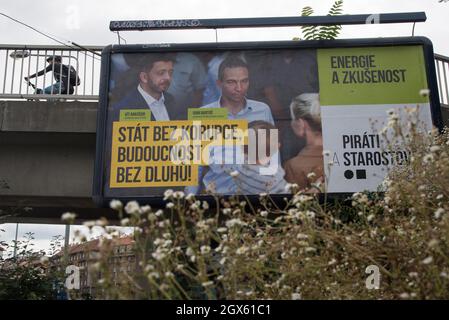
[[38, 91]]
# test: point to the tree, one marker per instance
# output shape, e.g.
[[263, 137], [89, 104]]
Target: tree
[[322, 32]]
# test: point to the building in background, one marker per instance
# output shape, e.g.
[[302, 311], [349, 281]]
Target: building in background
[[121, 259]]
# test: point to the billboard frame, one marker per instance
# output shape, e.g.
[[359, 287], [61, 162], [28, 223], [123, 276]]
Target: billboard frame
[[157, 201]]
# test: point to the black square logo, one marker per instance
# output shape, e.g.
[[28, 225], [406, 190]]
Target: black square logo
[[360, 174]]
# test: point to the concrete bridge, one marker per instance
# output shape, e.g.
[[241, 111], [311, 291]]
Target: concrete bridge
[[47, 153]]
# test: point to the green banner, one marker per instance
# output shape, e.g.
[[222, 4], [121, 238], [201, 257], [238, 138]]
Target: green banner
[[207, 113], [372, 75], [135, 115]]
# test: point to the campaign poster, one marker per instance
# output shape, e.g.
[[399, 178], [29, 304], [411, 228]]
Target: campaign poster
[[253, 121]]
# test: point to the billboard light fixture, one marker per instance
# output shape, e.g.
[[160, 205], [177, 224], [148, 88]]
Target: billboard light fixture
[[382, 18]]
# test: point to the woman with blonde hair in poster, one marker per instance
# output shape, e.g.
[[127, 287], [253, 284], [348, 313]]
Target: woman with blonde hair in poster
[[307, 167]]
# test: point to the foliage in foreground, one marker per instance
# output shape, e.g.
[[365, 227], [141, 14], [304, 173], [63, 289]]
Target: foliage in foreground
[[26, 276], [306, 249]]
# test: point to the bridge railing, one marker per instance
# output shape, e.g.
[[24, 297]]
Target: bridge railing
[[20, 61], [442, 67]]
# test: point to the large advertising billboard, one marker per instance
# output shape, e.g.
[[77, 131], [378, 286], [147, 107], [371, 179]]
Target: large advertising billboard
[[252, 118]]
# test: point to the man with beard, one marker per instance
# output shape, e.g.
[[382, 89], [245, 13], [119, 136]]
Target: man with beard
[[154, 79]]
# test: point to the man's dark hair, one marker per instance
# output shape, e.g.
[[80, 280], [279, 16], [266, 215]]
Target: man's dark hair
[[54, 58], [148, 60], [230, 62]]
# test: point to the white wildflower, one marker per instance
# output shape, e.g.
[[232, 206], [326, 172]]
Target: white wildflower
[[202, 224], [116, 205], [235, 222], [167, 243], [159, 213], [132, 207], [370, 218], [310, 214], [158, 255], [170, 205], [89, 224], [222, 230], [234, 173], [311, 175], [424, 92], [178, 195], [205, 205], [189, 252], [146, 209], [242, 250], [124, 222], [101, 222], [290, 187], [264, 213], [427, 260], [302, 236], [207, 284], [168, 194], [151, 216], [296, 296], [205, 249], [68, 217], [428, 158], [169, 274], [190, 197], [263, 194], [249, 293], [438, 213], [434, 149], [148, 268], [153, 275], [433, 243], [404, 295], [440, 196], [166, 235]]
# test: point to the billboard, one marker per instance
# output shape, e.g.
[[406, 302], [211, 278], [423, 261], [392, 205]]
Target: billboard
[[252, 118]]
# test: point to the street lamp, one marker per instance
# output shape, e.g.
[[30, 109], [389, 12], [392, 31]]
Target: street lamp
[[19, 54]]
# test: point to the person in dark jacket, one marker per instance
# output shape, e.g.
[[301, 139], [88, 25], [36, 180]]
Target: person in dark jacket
[[65, 76]]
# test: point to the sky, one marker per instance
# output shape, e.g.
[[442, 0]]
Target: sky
[[86, 22]]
